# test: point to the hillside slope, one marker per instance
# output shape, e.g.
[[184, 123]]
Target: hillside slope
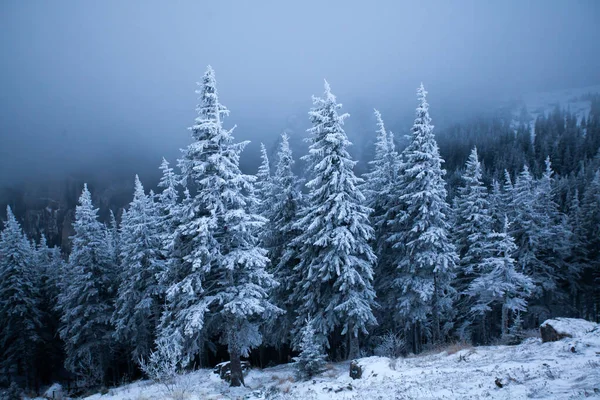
[[567, 369]]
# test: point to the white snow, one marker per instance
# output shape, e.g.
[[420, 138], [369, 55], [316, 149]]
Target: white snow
[[530, 370], [572, 327]]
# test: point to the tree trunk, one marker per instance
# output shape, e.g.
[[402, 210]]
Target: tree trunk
[[504, 320], [435, 311], [354, 347], [237, 377]]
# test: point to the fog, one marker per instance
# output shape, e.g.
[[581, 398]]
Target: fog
[[108, 86]]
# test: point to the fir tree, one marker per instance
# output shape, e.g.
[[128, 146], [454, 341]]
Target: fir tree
[[590, 211], [378, 189], [335, 260], [87, 295], [50, 266], [287, 201], [222, 230], [555, 238], [311, 360], [19, 301], [527, 229], [499, 282], [263, 185], [139, 298], [473, 224], [427, 263]]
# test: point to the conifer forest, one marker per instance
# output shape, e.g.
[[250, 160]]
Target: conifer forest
[[318, 245]]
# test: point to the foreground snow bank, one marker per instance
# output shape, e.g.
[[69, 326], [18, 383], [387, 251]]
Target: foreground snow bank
[[567, 369]]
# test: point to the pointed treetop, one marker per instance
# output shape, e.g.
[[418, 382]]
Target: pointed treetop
[[9, 214], [209, 109], [164, 165], [422, 96], [285, 141], [549, 172], [139, 188], [382, 132], [208, 80], [265, 159], [86, 196], [474, 156], [422, 125], [507, 180]]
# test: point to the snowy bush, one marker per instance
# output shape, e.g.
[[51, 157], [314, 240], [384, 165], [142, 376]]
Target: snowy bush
[[164, 363], [391, 345]]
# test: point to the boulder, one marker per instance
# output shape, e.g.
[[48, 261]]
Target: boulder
[[224, 369], [54, 392], [556, 329], [356, 370]]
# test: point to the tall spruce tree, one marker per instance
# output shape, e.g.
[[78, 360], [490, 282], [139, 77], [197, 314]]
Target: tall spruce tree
[[555, 243], [139, 299], [287, 201], [472, 225], [234, 283], [87, 295], [590, 211], [378, 189], [19, 303], [426, 266], [336, 259], [50, 266], [264, 184], [499, 283]]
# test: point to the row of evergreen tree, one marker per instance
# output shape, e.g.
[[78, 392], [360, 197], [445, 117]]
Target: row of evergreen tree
[[219, 259]]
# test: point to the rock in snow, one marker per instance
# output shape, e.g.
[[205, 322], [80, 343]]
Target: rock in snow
[[556, 329]]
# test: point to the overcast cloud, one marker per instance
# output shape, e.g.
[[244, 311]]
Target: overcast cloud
[[109, 85]]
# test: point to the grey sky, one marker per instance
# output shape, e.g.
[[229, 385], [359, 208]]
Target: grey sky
[[110, 84]]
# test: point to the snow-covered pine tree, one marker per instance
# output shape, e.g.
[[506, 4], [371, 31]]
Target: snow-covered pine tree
[[263, 185], [190, 251], [499, 283], [555, 241], [139, 298], [526, 230], [168, 182], [590, 211], [87, 295], [497, 207], [426, 266], [504, 203], [311, 360], [114, 239], [287, 201], [168, 211], [383, 170], [336, 259], [472, 226], [232, 286], [378, 190], [19, 302], [50, 265]]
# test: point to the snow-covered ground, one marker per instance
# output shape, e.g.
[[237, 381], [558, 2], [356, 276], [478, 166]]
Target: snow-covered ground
[[568, 369]]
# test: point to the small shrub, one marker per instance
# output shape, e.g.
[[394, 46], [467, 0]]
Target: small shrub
[[391, 345]]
